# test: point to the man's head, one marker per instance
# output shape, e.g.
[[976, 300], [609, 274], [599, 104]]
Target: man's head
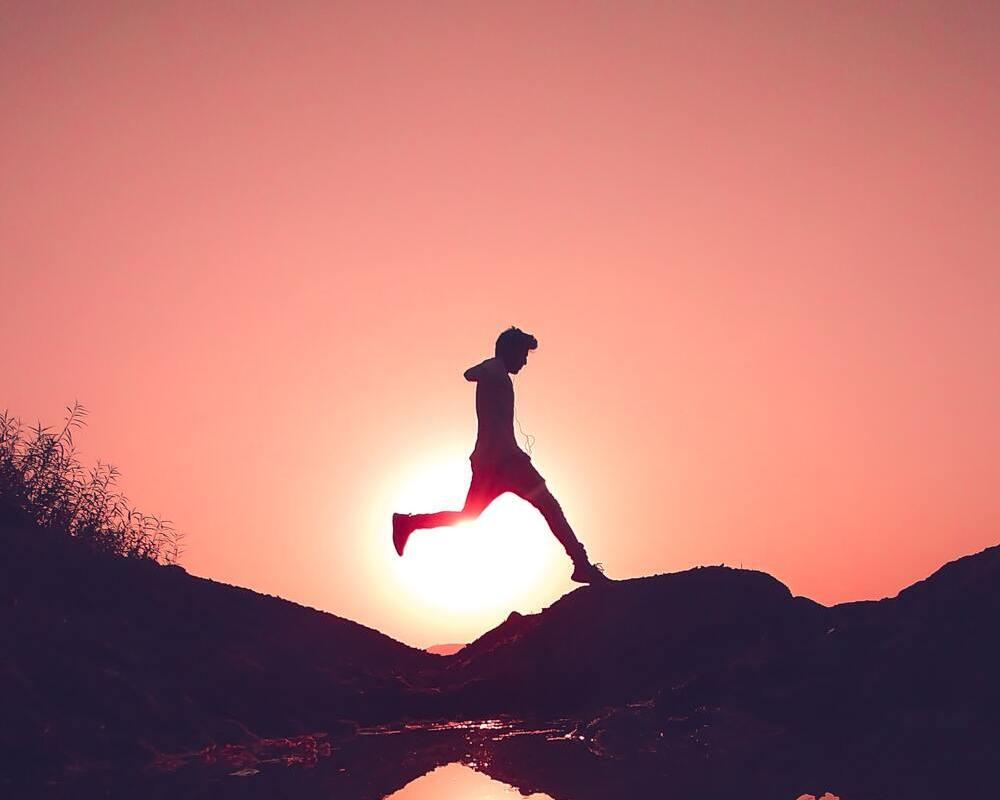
[[513, 346]]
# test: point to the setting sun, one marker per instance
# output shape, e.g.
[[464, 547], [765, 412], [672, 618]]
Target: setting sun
[[479, 570]]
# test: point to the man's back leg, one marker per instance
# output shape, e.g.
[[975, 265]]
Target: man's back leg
[[583, 571]]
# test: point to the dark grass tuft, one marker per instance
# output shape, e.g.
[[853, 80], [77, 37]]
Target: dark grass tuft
[[43, 483]]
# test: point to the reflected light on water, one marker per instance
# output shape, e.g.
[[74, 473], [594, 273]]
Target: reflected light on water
[[459, 782]]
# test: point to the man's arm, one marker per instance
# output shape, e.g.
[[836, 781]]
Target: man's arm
[[482, 370]]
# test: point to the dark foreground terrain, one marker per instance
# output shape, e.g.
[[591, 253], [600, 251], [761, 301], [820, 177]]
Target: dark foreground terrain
[[714, 682]]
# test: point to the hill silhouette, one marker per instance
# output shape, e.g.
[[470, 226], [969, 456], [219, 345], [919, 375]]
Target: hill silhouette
[[111, 659], [114, 660], [904, 690]]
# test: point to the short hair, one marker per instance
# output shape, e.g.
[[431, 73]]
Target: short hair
[[514, 342]]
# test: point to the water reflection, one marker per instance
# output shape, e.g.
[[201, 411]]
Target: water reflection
[[475, 760], [458, 782]]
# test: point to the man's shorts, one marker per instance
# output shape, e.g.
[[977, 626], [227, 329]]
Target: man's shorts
[[514, 474]]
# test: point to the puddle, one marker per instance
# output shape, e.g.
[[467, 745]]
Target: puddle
[[475, 759], [460, 782]]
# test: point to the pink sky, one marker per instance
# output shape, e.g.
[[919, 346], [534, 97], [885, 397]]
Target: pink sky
[[757, 244]]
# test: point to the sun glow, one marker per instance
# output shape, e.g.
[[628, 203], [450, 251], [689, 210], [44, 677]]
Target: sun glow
[[506, 559]]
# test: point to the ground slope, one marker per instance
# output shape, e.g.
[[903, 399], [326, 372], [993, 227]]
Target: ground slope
[[899, 695], [109, 660]]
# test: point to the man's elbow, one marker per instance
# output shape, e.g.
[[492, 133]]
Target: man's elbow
[[470, 374]]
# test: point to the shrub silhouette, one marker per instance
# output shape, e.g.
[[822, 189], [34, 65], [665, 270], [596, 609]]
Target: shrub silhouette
[[43, 483]]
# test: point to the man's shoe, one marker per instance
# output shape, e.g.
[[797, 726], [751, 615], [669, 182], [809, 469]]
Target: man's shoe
[[401, 531], [589, 573]]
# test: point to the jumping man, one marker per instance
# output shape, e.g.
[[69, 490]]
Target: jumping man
[[498, 464]]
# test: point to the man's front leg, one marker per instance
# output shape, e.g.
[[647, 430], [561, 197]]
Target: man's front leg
[[560, 527], [583, 570]]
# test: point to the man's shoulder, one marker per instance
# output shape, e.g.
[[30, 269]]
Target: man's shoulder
[[494, 369], [489, 370]]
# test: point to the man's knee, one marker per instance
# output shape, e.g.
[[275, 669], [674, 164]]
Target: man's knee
[[472, 510]]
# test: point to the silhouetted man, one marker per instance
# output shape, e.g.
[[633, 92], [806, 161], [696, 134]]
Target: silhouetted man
[[498, 464]]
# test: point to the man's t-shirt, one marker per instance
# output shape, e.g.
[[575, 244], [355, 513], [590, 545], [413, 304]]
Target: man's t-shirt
[[495, 442]]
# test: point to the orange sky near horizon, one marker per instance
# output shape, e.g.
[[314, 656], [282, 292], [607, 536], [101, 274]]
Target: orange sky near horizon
[[757, 244]]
